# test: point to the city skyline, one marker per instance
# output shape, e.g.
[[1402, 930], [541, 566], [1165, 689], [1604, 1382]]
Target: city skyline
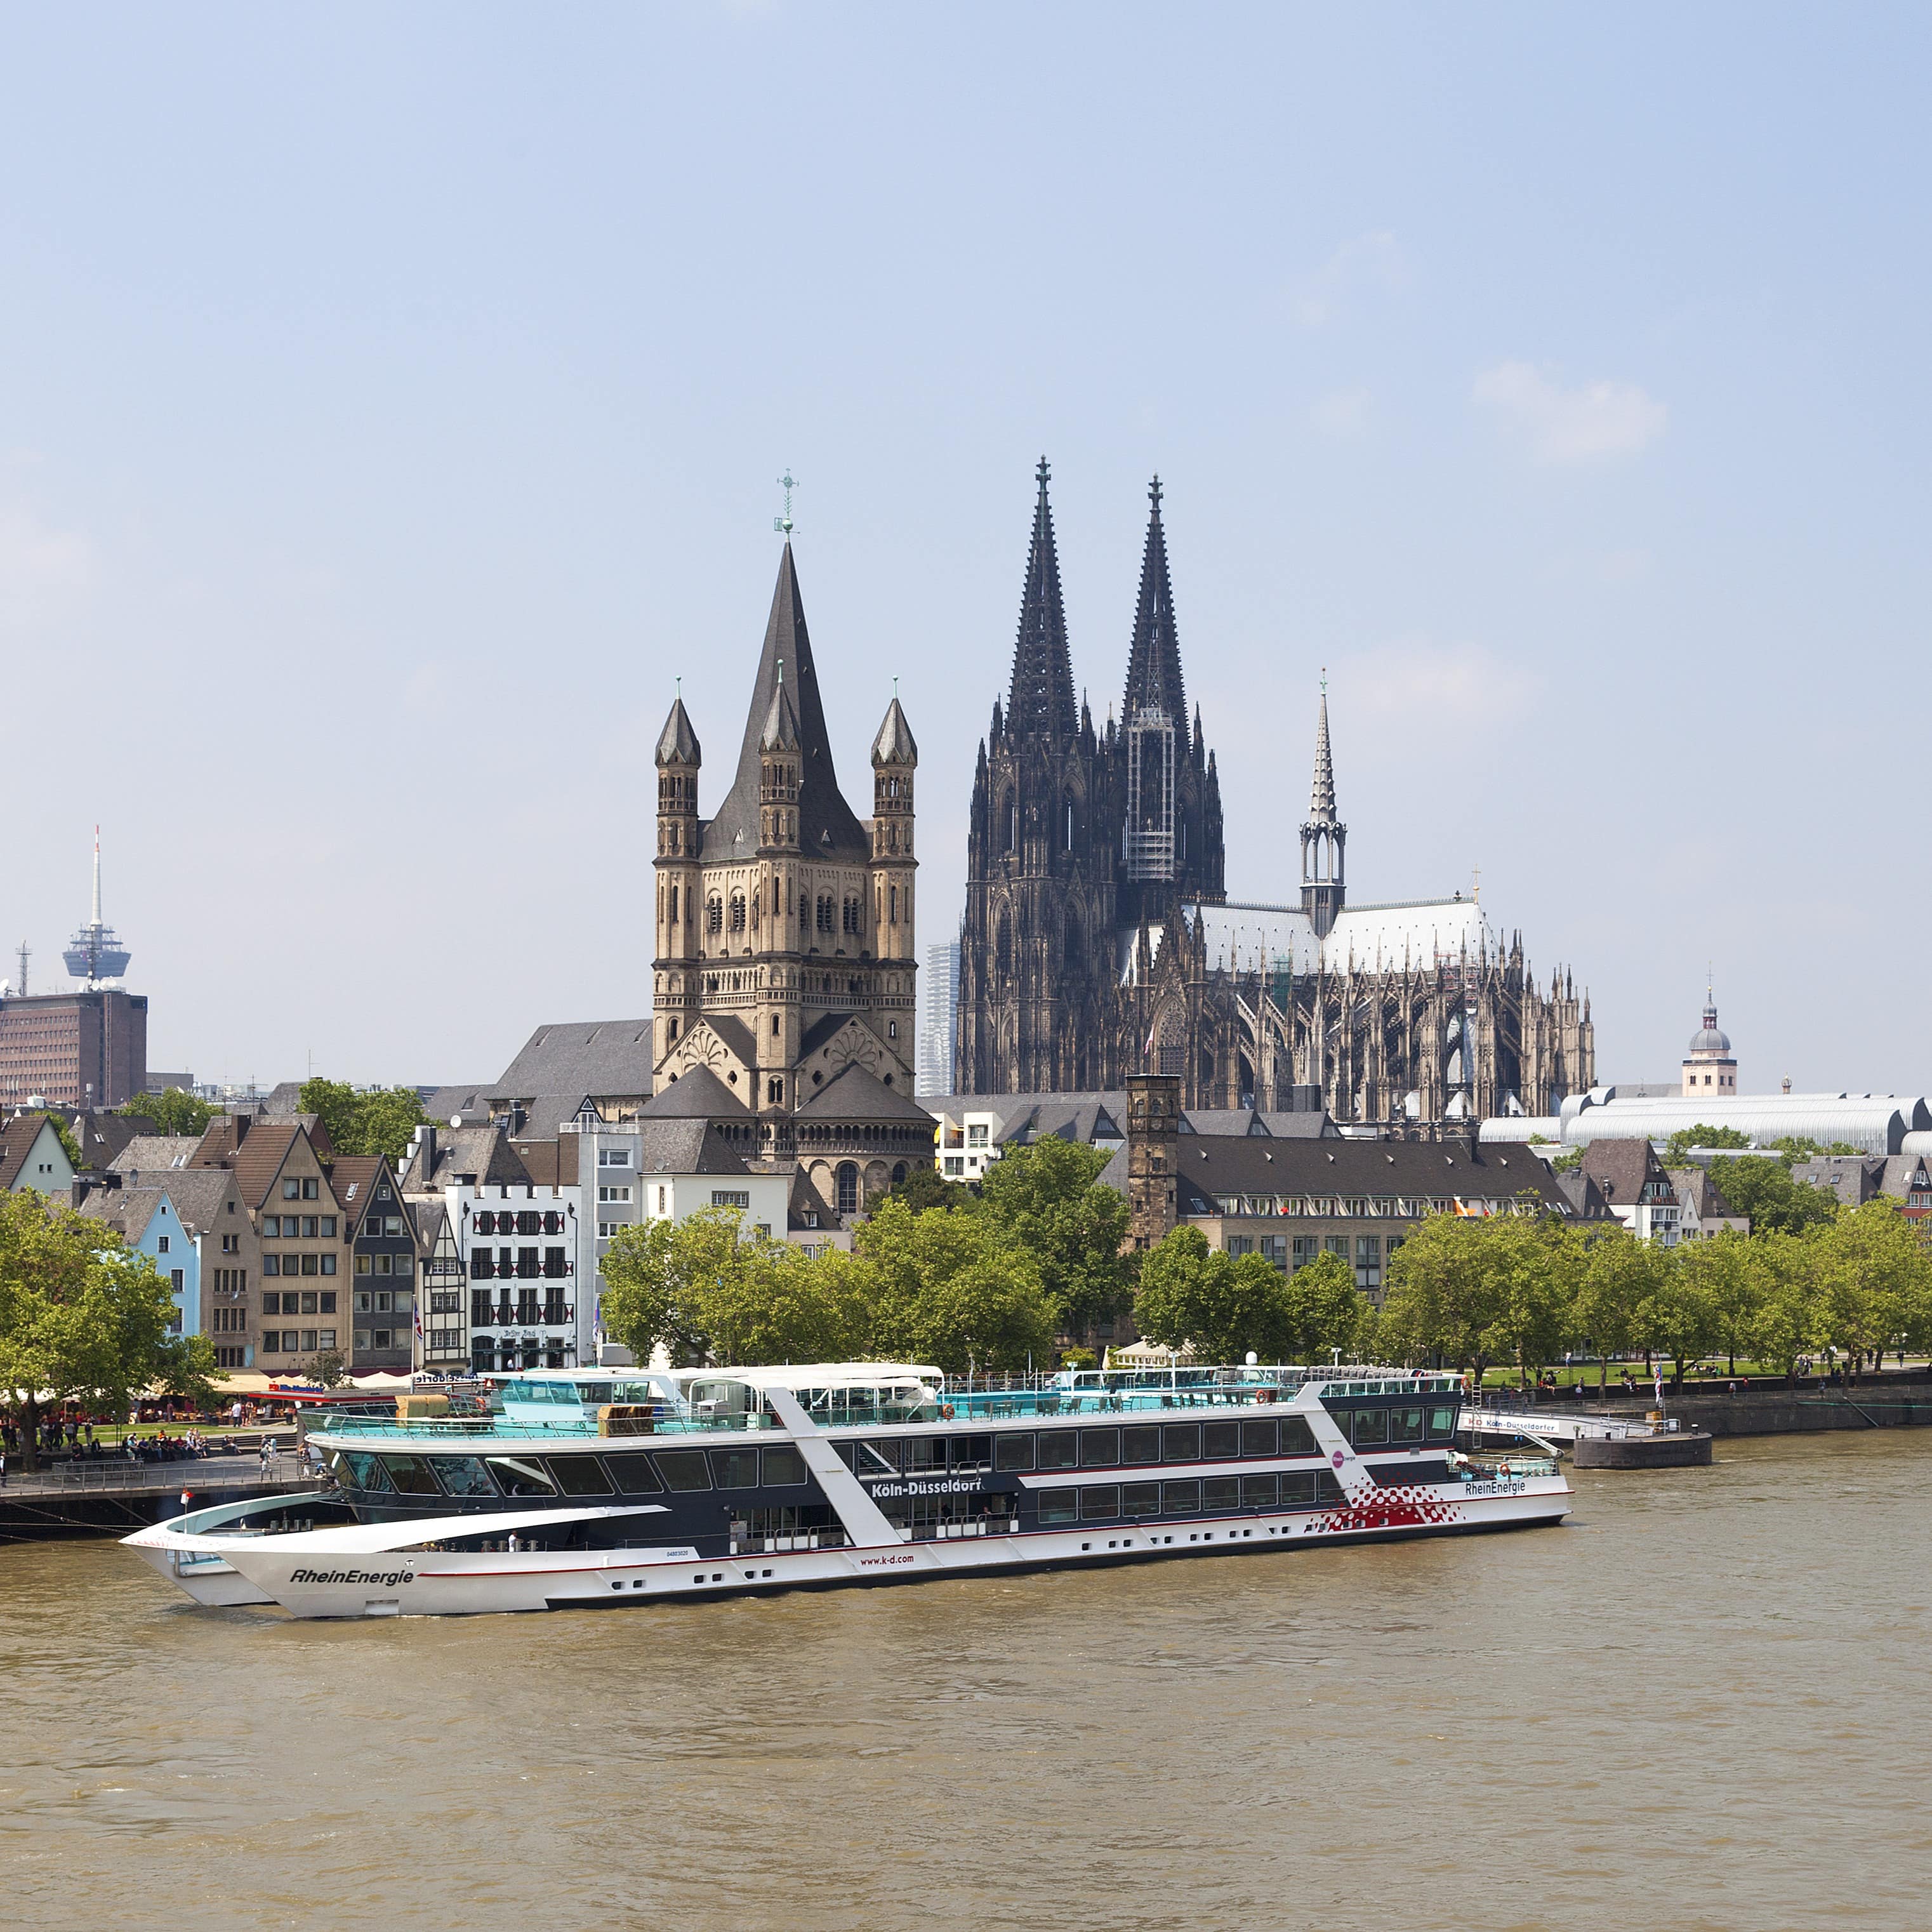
[[362, 506]]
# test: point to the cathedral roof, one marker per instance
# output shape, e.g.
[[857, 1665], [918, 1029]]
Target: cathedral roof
[[677, 743], [1042, 702], [781, 731], [894, 746], [1416, 933], [1154, 660], [827, 825]]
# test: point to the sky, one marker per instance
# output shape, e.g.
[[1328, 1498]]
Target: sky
[[391, 401]]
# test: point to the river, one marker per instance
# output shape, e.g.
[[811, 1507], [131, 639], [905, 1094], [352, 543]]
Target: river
[[1704, 1702]]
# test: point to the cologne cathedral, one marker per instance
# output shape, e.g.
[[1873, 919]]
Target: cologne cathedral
[[1099, 940]]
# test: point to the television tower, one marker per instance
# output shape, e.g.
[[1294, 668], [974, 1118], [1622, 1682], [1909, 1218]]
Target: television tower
[[95, 953]]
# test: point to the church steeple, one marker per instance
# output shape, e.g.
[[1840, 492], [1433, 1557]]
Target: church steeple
[[1042, 701], [1324, 838], [827, 826], [1154, 681]]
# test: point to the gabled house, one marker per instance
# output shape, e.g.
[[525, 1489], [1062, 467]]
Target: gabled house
[[384, 1244], [31, 1156], [1635, 1188], [146, 1219], [1702, 1209]]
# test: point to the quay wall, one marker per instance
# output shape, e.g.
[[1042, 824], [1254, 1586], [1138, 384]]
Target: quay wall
[[49, 1515]]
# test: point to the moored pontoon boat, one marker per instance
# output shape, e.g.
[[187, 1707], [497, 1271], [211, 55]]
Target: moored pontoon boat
[[582, 1489]]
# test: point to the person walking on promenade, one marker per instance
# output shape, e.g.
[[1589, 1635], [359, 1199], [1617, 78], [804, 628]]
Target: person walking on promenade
[[3, 1468]]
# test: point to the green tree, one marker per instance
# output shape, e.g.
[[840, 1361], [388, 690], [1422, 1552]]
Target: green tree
[[81, 1317], [1791, 1148], [656, 1274], [776, 1303], [1677, 1149], [1224, 1305], [327, 1370], [1676, 1317], [1724, 1274], [1761, 1186], [1326, 1311], [173, 1112], [1617, 1272], [1873, 1282], [1049, 1199], [1786, 1324], [925, 1188], [1441, 1297], [377, 1121], [954, 1290], [1531, 1314]]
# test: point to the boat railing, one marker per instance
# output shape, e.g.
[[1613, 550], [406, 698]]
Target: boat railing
[[428, 1427]]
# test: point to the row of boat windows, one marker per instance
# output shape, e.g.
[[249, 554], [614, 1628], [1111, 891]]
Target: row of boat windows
[[632, 1474], [1210, 1495], [1138, 1443]]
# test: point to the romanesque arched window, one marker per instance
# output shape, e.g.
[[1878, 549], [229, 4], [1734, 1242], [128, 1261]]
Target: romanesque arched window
[[737, 912], [848, 1186], [825, 912], [714, 914]]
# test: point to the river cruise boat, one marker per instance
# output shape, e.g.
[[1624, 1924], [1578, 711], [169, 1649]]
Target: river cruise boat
[[562, 1489]]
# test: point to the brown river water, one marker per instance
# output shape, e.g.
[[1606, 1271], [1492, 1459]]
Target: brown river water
[[1704, 1703]]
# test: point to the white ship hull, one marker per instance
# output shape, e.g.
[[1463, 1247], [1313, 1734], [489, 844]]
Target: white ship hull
[[310, 1578]]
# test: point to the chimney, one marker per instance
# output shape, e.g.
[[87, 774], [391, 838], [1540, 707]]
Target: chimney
[[426, 1153]]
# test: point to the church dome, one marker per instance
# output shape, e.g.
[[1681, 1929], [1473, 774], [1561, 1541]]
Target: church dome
[[1708, 1038]]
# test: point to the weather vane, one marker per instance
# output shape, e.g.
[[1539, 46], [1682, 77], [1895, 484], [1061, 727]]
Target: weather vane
[[787, 483]]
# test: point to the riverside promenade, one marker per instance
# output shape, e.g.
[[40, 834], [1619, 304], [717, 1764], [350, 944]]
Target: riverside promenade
[[1888, 1400], [113, 1495]]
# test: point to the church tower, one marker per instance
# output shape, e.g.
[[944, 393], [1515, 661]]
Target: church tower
[[1324, 838], [777, 942], [1037, 943]]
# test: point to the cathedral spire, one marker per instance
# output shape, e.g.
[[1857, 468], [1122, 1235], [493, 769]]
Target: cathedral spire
[[1322, 803], [1154, 681], [1042, 702]]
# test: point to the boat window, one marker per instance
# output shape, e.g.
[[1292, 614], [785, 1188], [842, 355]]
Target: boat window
[[580, 1475], [1059, 1449], [1096, 1504], [365, 1471], [1297, 1492], [463, 1476], [972, 1452], [879, 1459], [1140, 1499], [1180, 1442], [734, 1469], [1057, 1505], [1140, 1442], [1222, 1441], [521, 1476], [634, 1475], [919, 1453], [1297, 1437], [683, 1469], [1012, 1452], [1441, 1424], [1261, 1438], [1099, 1448], [1258, 1492], [782, 1465], [1405, 1425], [1182, 1498], [410, 1476], [1371, 1426], [1221, 1492], [847, 1452]]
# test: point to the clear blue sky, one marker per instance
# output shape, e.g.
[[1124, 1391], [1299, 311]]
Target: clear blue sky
[[391, 401]]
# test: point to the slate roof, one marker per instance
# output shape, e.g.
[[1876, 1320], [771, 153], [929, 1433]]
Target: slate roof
[[550, 1163], [895, 745], [677, 742], [699, 1095], [580, 1056], [1620, 1168], [197, 1194], [1103, 1115], [147, 1152], [444, 1102], [101, 1136], [854, 1094], [1854, 1179], [827, 826], [1698, 1192], [127, 1211], [485, 1152], [1211, 1168], [674, 1146]]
